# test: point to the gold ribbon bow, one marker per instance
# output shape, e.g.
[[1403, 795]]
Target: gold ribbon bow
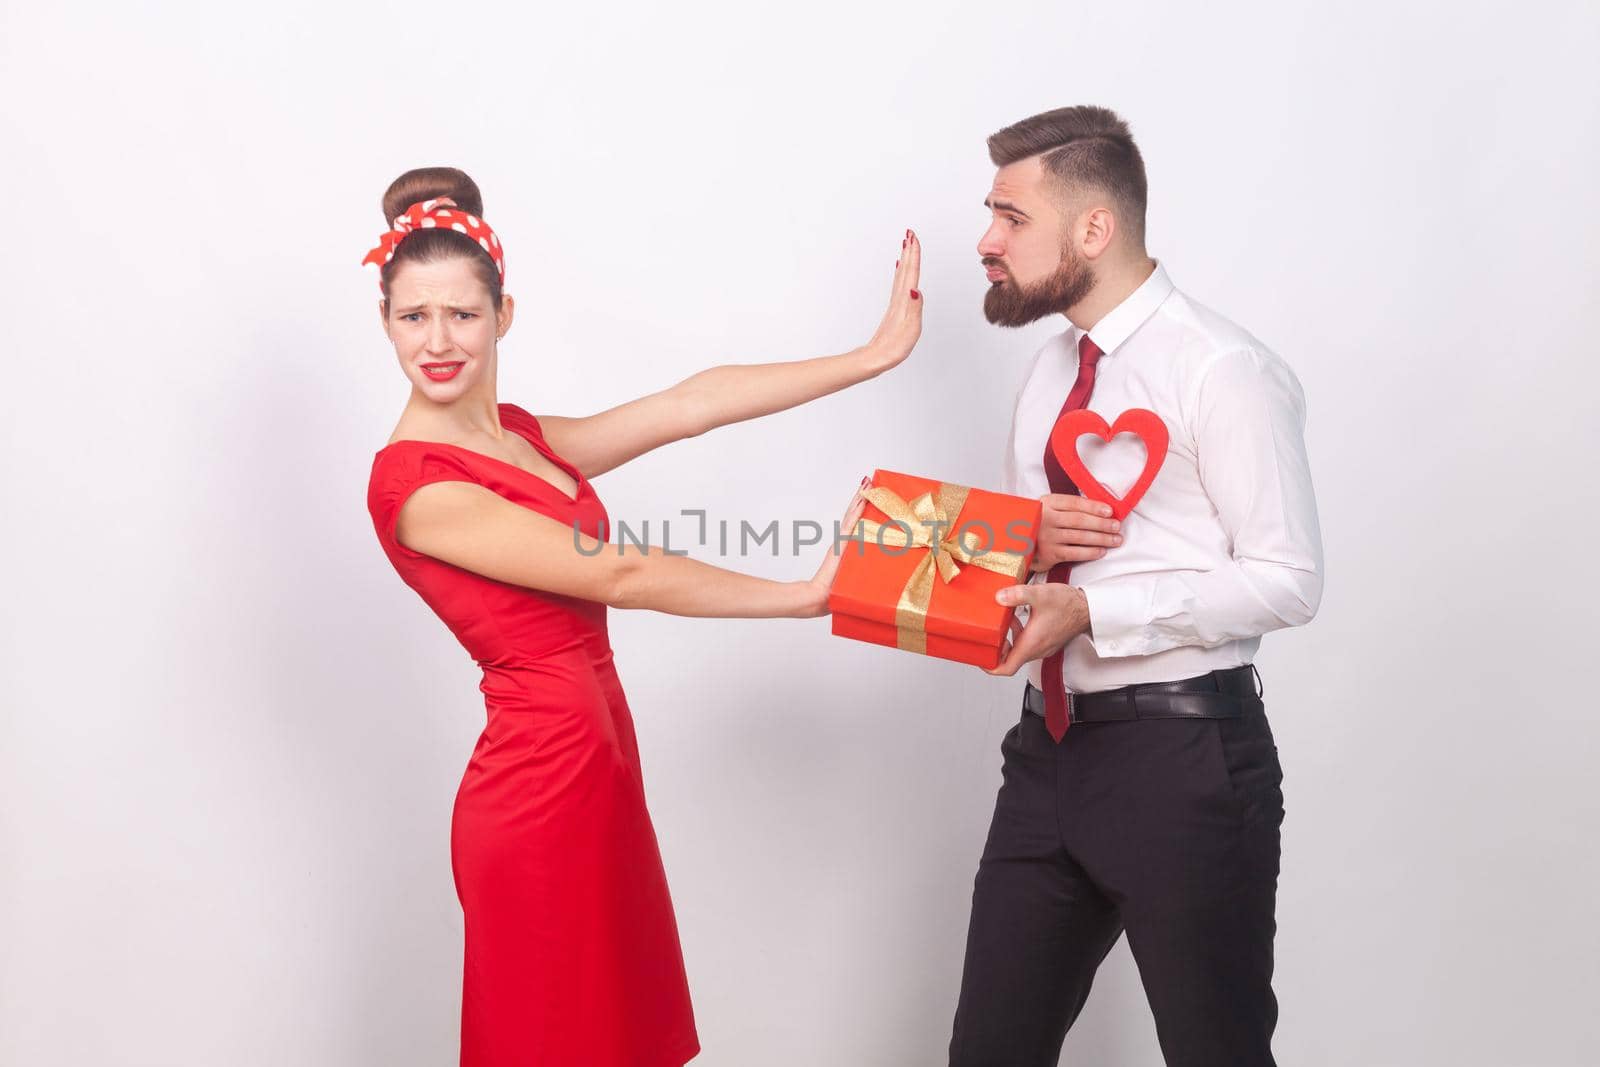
[[912, 526]]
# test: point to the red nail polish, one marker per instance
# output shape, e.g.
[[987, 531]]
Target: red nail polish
[[915, 295], [897, 264]]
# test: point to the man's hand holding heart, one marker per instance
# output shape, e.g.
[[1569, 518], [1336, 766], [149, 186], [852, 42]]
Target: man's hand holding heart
[[1073, 529]]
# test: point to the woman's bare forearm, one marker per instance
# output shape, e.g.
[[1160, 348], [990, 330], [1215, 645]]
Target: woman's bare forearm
[[679, 585], [735, 392]]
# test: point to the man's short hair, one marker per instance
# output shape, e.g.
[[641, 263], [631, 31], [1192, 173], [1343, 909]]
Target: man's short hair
[[1082, 146]]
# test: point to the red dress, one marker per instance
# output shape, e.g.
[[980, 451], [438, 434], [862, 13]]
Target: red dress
[[572, 954]]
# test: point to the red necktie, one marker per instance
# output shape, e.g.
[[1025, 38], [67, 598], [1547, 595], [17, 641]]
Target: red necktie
[[1056, 715]]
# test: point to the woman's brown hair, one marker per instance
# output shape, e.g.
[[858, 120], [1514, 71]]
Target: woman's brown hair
[[436, 245]]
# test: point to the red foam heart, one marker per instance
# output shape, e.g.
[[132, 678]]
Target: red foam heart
[[1144, 424]]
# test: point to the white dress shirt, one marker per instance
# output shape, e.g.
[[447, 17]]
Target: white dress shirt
[[1225, 544]]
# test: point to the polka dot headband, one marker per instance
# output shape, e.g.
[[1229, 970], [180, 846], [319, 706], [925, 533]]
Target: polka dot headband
[[430, 215]]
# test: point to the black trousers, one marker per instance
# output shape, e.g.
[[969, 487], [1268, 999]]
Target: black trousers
[[1165, 828]]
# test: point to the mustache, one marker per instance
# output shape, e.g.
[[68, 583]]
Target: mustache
[[997, 264]]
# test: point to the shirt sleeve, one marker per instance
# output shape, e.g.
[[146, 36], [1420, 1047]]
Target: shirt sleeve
[[1249, 427]]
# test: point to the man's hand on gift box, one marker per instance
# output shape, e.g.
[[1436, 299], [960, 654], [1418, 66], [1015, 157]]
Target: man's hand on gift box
[[1074, 529], [1057, 613]]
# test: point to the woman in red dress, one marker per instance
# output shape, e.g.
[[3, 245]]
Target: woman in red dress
[[487, 511]]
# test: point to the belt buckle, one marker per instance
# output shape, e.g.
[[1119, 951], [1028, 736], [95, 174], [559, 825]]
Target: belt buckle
[[1072, 706]]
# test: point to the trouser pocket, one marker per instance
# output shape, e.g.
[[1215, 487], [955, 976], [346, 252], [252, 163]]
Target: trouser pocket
[[1250, 757]]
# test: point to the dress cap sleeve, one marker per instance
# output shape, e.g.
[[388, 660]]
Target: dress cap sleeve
[[399, 471]]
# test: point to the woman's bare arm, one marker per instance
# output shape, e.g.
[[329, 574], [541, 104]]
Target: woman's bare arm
[[737, 392], [476, 529]]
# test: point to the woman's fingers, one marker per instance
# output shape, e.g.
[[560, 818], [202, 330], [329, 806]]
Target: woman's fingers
[[859, 500], [897, 285], [901, 325], [908, 269], [852, 514], [847, 524], [822, 581], [913, 265]]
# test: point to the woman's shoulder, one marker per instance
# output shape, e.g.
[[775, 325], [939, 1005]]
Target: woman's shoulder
[[404, 466], [405, 462], [406, 459]]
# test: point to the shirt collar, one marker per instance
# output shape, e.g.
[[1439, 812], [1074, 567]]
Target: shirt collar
[[1118, 324]]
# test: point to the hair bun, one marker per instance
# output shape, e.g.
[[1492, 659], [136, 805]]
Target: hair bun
[[429, 183]]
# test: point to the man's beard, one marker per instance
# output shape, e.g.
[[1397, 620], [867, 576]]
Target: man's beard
[[1009, 304]]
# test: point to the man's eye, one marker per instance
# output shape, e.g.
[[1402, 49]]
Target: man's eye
[[1014, 220], [408, 317], [468, 314]]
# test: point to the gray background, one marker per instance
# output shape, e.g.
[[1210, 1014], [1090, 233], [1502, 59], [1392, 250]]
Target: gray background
[[231, 736]]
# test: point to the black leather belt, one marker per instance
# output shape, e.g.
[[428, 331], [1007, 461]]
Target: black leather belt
[[1222, 694]]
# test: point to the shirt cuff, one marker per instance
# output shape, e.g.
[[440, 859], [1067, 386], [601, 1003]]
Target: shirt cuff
[[1119, 618]]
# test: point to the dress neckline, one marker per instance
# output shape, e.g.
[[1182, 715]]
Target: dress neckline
[[577, 477]]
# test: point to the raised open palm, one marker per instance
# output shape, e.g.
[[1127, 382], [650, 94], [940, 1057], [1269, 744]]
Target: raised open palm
[[902, 323]]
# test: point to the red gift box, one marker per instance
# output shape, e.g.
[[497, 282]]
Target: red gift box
[[929, 559]]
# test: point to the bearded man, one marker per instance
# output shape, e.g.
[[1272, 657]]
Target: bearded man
[[1141, 787]]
